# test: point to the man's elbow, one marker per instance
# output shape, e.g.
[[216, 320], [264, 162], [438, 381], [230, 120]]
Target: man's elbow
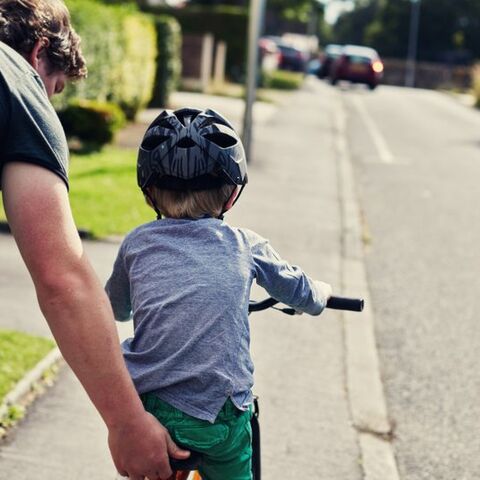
[[57, 286]]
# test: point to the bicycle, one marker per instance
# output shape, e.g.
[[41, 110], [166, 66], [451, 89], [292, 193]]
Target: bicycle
[[187, 469]]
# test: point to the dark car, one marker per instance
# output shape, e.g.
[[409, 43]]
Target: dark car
[[357, 64], [330, 54], [292, 58]]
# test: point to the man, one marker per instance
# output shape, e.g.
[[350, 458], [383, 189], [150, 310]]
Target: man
[[39, 52]]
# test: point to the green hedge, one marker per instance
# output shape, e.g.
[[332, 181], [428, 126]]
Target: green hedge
[[93, 123], [229, 24], [282, 80], [119, 44], [169, 65]]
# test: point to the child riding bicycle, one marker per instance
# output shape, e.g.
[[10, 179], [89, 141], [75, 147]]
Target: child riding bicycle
[[187, 280]]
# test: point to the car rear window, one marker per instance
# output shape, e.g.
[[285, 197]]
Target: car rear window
[[290, 50], [357, 59]]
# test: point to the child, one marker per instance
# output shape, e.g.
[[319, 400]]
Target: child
[[187, 279]]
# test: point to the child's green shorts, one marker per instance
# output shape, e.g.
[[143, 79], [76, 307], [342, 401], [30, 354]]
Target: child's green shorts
[[226, 445]]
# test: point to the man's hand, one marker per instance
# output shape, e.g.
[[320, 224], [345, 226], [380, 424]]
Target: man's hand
[[140, 448]]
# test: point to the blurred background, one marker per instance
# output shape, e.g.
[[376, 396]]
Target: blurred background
[[140, 52]]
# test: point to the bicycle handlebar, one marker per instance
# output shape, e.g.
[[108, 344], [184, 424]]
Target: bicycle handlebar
[[337, 303], [345, 303]]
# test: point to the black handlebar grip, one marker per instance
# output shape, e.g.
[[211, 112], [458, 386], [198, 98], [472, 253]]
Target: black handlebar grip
[[254, 306], [343, 303]]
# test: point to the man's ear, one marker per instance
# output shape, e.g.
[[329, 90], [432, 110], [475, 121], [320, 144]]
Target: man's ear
[[34, 56], [232, 199]]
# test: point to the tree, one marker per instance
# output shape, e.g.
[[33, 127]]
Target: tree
[[292, 9], [449, 30], [351, 26]]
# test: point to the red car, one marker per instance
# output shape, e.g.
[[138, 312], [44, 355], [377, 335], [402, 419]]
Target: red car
[[357, 65]]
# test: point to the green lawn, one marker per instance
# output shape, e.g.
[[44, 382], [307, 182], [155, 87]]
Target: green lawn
[[104, 195], [19, 353]]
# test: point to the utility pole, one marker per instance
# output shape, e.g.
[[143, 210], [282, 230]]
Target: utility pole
[[257, 9], [312, 25], [412, 43]]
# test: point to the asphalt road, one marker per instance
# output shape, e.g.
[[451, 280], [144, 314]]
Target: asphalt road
[[417, 163]]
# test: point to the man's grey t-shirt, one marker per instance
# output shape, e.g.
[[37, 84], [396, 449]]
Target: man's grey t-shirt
[[29, 127], [188, 283]]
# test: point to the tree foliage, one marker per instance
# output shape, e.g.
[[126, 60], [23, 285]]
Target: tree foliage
[[292, 9], [449, 30]]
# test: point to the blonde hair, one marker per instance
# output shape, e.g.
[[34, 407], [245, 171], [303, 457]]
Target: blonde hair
[[192, 203]]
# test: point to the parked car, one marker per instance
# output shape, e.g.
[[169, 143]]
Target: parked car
[[269, 54], [330, 54], [292, 58], [357, 64]]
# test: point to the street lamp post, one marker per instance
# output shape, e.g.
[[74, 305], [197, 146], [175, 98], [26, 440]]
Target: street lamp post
[[257, 8], [412, 43]]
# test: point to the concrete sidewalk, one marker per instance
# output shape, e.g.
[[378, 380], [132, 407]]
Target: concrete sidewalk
[[293, 199]]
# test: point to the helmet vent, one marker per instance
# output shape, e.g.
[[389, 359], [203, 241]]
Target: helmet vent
[[186, 142], [166, 124], [153, 141], [221, 139]]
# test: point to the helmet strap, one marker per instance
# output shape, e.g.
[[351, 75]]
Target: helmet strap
[[152, 201], [231, 201]]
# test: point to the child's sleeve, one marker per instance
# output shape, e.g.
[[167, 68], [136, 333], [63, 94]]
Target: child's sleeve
[[118, 289], [284, 282]]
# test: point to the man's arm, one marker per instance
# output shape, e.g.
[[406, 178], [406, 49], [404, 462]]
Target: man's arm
[[80, 317]]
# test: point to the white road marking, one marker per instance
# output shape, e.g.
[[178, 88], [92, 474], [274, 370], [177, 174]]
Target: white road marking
[[385, 154]]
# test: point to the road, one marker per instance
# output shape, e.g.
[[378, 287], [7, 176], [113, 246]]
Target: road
[[417, 163]]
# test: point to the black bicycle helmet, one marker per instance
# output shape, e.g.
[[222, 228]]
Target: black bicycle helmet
[[191, 149]]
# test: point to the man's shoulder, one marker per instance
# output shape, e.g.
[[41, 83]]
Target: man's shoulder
[[14, 67]]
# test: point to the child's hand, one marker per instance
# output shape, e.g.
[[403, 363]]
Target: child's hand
[[325, 289]]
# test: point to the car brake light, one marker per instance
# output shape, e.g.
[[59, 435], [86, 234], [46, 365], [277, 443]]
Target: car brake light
[[377, 66]]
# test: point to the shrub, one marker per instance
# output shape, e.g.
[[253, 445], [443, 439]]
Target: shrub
[[282, 80], [93, 123], [168, 61], [119, 44], [137, 67]]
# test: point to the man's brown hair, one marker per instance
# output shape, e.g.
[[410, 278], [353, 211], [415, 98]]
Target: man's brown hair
[[24, 22]]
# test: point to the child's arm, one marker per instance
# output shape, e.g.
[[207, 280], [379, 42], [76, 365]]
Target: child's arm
[[118, 290], [288, 283]]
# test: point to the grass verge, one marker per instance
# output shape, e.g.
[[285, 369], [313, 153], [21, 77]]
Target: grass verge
[[19, 353], [267, 94]]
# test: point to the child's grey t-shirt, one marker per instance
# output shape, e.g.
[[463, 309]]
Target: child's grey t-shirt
[[188, 284]]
